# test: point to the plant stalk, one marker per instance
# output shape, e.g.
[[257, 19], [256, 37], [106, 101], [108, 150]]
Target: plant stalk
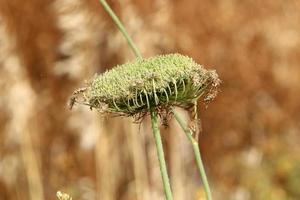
[[154, 121], [160, 153], [197, 153], [156, 133], [121, 28]]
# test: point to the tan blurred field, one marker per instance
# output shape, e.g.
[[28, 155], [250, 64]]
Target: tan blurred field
[[251, 131]]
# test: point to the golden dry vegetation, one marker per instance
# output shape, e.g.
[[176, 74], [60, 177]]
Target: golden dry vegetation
[[250, 141]]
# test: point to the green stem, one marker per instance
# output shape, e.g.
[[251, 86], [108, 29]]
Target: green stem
[[156, 133], [121, 28], [197, 153], [160, 153], [154, 119]]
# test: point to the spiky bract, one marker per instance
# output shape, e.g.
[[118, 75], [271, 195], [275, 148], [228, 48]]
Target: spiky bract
[[157, 82]]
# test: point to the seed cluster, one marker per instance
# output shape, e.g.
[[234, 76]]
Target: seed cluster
[[158, 82]]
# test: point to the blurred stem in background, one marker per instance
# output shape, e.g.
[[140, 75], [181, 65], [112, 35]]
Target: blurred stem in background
[[32, 169], [155, 128]]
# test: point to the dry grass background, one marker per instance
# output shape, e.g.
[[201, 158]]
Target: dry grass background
[[251, 135]]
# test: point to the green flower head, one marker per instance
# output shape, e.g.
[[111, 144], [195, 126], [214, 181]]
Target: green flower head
[[159, 82]]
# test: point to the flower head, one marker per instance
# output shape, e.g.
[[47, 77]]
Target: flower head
[[158, 82]]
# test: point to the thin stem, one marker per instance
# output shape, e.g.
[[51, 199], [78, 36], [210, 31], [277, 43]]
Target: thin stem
[[154, 121], [197, 153], [160, 153], [121, 28]]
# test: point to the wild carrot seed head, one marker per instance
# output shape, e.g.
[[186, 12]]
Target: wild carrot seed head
[[158, 82]]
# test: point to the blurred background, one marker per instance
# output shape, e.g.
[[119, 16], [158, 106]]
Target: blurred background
[[250, 141]]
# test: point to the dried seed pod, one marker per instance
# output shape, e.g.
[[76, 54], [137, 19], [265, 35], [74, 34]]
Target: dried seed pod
[[159, 82]]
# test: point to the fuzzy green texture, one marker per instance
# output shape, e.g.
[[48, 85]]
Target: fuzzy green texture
[[161, 81]]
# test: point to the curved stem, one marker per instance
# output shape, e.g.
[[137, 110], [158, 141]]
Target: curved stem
[[197, 153], [121, 28], [160, 153]]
